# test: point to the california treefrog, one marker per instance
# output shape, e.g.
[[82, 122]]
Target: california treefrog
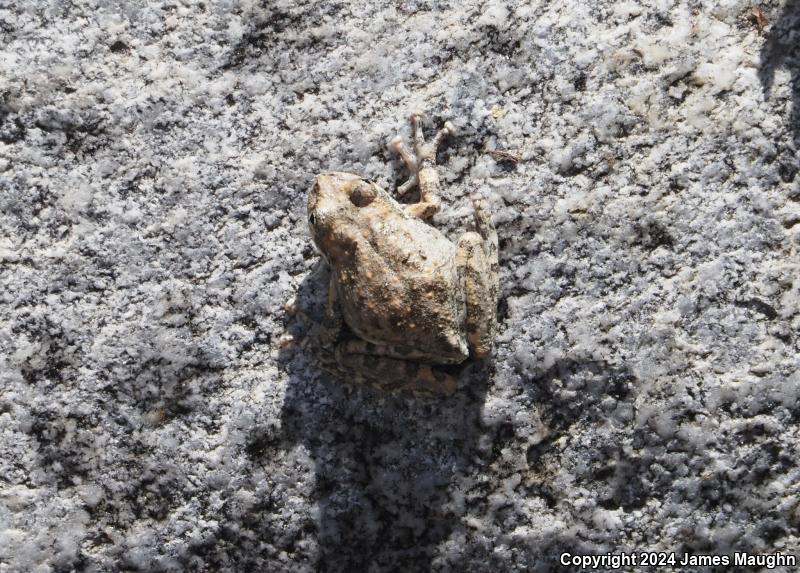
[[403, 300]]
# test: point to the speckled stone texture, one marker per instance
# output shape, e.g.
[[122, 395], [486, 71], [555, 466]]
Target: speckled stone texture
[[159, 410]]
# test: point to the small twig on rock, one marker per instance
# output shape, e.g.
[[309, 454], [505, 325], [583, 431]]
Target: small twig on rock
[[500, 155]]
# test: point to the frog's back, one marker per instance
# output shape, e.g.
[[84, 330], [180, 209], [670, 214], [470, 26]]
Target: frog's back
[[403, 289]]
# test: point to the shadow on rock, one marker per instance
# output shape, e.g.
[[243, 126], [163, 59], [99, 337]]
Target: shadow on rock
[[384, 465], [578, 396], [782, 50]]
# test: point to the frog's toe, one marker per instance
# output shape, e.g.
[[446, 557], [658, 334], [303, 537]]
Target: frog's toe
[[412, 182], [448, 130], [399, 146]]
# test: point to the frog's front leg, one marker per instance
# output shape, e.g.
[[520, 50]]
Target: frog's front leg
[[422, 167], [388, 368], [477, 262]]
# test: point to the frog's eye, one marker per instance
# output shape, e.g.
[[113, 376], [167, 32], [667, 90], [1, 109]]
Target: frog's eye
[[363, 194]]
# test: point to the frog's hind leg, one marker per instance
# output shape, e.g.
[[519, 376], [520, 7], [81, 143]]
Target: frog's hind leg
[[383, 368], [485, 228], [427, 176], [422, 167], [478, 266]]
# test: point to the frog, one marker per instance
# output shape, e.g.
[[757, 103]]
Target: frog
[[406, 305]]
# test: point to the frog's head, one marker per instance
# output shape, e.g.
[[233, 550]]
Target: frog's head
[[334, 201]]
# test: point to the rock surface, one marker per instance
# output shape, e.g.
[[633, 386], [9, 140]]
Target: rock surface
[[158, 408]]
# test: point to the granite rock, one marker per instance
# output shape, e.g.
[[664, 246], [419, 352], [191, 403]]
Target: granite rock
[[159, 408]]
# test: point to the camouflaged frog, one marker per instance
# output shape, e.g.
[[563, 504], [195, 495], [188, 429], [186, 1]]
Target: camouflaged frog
[[404, 301]]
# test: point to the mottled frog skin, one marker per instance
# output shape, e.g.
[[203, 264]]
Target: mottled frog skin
[[403, 300]]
